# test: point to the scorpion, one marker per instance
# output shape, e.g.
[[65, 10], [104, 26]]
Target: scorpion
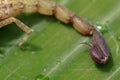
[[9, 9]]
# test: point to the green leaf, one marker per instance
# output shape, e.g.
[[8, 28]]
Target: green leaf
[[54, 51]]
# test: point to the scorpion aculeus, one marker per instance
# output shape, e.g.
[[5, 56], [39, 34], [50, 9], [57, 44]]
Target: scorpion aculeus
[[9, 9]]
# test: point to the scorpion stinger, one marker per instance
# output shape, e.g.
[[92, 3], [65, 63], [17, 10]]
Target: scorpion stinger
[[99, 50], [9, 9]]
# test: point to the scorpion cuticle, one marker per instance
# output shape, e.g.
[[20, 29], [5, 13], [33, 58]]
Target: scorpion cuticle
[[8, 11]]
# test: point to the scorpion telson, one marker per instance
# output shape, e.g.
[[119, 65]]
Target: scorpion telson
[[9, 9], [99, 50]]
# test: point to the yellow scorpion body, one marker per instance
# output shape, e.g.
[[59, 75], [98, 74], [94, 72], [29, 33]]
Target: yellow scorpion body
[[9, 9]]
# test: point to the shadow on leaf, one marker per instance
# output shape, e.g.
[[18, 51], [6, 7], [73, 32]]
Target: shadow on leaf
[[30, 47], [106, 67]]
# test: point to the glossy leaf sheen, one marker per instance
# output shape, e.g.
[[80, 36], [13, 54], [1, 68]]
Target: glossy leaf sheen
[[54, 51]]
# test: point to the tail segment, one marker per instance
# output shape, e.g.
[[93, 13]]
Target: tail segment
[[48, 7]]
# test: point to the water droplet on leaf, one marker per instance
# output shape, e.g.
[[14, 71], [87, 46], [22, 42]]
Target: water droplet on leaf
[[99, 27], [103, 29], [58, 62], [118, 38], [44, 69], [33, 52], [41, 77]]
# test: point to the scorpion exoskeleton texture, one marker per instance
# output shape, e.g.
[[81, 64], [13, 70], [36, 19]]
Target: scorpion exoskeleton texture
[[9, 9]]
